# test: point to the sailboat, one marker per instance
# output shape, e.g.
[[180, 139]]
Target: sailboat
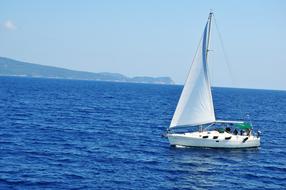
[[195, 109]]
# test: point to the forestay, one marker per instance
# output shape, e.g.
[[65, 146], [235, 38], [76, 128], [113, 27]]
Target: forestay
[[195, 106]]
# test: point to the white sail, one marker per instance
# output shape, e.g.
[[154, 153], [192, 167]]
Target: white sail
[[195, 106]]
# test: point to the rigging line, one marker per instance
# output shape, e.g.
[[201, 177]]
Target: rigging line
[[233, 82], [228, 66]]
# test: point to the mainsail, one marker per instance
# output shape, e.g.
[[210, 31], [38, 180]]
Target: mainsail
[[195, 106]]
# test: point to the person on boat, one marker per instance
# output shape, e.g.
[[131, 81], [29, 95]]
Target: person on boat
[[241, 132], [248, 132], [235, 132], [220, 130]]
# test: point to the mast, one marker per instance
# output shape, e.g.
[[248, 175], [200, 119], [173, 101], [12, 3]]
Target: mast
[[209, 33], [206, 61]]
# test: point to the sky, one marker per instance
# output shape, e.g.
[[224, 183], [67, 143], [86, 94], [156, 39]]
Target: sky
[[150, 38]]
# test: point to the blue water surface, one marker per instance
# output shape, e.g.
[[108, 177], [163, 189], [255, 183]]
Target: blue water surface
[[67, 134]]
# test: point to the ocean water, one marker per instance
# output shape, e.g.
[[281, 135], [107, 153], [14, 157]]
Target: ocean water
[[67, 134]]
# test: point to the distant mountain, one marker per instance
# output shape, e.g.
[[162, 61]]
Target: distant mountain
[[10, 67]]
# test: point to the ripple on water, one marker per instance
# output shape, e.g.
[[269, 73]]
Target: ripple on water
[[64, 134]]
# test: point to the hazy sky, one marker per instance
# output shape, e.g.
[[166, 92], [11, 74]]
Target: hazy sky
[[150, 37]]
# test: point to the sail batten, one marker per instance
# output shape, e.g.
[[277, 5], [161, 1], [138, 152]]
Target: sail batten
[[195, 106]]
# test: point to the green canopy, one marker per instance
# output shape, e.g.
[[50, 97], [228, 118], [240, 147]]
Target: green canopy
[[243, 126]]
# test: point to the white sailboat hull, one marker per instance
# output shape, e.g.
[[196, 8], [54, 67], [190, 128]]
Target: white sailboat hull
[[213, 139]]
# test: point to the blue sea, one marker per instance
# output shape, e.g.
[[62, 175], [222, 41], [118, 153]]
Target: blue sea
[[69, 134]]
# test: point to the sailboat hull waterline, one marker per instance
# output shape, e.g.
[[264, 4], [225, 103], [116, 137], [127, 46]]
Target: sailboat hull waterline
[[213, 139], [195, 108]]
